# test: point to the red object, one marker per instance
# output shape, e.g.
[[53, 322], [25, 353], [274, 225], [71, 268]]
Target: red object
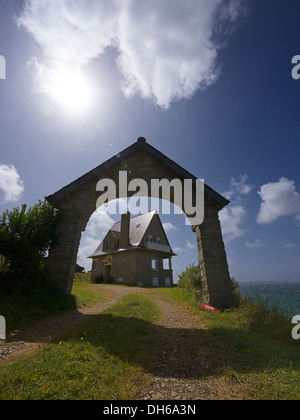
[[209, 308]]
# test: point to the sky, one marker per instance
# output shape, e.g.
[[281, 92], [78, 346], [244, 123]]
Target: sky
[[209, 83]]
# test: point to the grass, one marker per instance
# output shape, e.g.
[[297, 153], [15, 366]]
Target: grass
[[262, 359], [102, 360], [21, 309], [108, 355], [83, 291]]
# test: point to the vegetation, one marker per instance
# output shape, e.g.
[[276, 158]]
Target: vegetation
[[25, 239], [101, 360], [108, 356], [261, 358], [191, 286], [190, 283], [79, 269], [20, 309]]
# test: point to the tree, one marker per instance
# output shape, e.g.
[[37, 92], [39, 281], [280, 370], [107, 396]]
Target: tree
[[25, 239], [79, 269]]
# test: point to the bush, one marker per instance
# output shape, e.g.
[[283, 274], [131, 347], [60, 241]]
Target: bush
[[25, 240], [190, 279], [79, 269], [190, 283]]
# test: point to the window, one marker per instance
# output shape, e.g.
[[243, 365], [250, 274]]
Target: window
[[167, 282], [155, 264], [150, 238], [95, 265], [155, 282], [158, 240], [166, 264]]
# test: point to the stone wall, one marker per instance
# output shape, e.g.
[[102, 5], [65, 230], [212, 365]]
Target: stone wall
[[134, 267]]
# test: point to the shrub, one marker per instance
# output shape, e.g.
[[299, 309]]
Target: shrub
[[190, 279], [25, 240], [79, 269], [190, 283]]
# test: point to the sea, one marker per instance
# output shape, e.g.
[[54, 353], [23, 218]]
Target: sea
[[285, 296]]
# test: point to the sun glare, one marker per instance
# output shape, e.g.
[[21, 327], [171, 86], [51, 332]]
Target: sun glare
[[71, 89]]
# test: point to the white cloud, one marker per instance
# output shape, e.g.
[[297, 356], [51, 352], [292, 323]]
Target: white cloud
[[190, 245], [11, 184], [289, 245], [167, 50], [169, 226], [256, 244], [99, 223], [239, 187], [231, 219], [278, 199], [98, 226], [233, 216], [178, 250]]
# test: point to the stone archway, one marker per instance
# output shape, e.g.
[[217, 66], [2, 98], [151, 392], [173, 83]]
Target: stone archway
[[77, 202]]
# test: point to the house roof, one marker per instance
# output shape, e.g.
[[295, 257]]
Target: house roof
[[137, 230], [138, 227]]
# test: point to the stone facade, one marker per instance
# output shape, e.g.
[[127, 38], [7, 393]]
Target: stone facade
[[133, 268], [216, 282], [144, 264], [77, 202]]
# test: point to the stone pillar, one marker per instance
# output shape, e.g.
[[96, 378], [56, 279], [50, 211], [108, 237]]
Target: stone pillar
[[61, 262], [216, 282]]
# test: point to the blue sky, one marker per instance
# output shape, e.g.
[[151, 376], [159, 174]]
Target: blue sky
[[207, 82]]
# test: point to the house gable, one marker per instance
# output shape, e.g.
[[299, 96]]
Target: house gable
[[111, 241], [155, 230]]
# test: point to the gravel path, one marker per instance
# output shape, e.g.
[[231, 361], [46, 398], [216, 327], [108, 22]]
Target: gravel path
[[186, 360]]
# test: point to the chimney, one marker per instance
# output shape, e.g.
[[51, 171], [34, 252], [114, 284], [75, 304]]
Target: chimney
[[124, 235]]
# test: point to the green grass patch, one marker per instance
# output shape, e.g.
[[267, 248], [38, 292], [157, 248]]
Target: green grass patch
[[20, 309], [83, 291], [103, 359], [39, 302], [262, 359]]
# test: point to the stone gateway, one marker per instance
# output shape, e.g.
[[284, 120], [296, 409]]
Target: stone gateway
[[78, 201]]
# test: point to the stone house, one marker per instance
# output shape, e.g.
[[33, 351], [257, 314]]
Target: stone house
[[135, 251]]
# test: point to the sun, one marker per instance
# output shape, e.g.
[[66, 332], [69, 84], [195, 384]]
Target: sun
[[70, 88]]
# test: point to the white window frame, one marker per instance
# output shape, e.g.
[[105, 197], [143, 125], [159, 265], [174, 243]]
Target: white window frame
[[168, 265], [155, 282], [155, 266], [167, 280]]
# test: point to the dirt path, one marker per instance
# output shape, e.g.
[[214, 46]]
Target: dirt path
[[187, 363]]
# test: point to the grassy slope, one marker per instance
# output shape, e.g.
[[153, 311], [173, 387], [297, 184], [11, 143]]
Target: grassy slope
[[20, 310], [103, 360], [263, 359]]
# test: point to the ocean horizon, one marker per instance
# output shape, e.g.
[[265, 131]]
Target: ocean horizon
[[284, 295]]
